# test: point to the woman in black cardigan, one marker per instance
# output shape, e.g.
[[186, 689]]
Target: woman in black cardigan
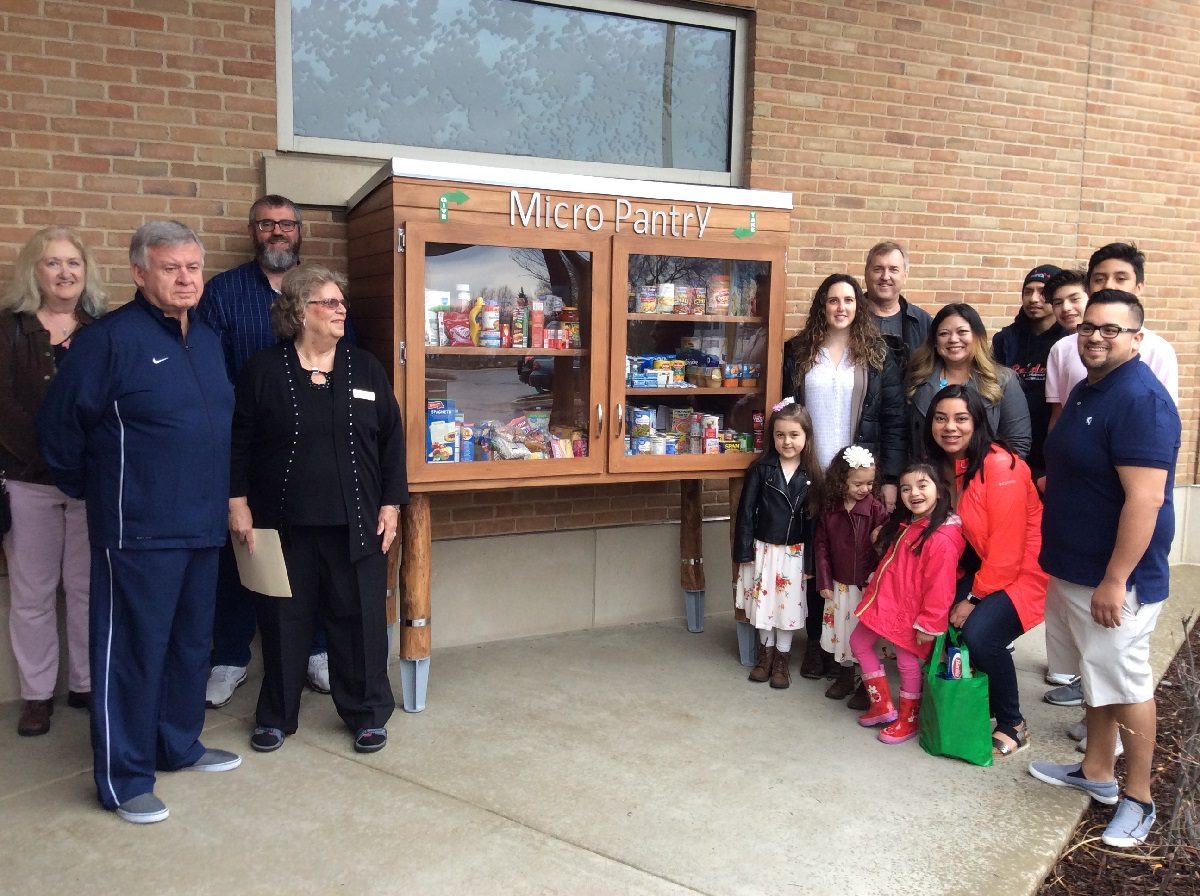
[[318, 453]]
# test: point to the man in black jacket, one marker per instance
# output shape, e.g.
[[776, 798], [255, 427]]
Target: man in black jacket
[[1023, 346], [903, 325]]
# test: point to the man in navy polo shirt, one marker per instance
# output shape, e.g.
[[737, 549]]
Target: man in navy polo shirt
[[1110, 461]]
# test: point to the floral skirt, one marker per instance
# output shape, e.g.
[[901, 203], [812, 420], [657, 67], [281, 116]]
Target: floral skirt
[[771, 589], [838, 621]]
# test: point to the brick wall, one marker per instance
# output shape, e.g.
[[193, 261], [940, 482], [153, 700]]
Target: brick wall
[[986, 136]]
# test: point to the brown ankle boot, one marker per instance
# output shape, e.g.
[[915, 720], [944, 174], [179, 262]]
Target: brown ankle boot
[[781, 676], [843, 685], [813, 664], [35, 718], [766, 657], [860, 700]]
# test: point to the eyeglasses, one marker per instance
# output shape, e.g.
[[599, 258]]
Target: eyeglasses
[[1108, 331], [266, 225], [328, 304]]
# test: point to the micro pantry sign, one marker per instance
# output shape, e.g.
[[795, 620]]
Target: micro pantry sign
[[540, 211]]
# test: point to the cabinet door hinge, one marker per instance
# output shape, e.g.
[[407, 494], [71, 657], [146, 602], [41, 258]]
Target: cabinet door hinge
[[402, 353], [400, 240]]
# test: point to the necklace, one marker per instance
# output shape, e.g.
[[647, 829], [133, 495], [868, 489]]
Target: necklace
[[318, 378], [46, 316]]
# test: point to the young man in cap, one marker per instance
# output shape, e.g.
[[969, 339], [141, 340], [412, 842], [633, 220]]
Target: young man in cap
[[1023, 346]]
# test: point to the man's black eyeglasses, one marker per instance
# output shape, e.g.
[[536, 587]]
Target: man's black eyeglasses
[[1108, 331], [266, 225]]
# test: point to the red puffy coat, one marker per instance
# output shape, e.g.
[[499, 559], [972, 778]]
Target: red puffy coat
[[1001, 517], [910, 591]]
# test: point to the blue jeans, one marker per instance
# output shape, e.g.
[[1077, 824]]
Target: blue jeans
[[991, 627]]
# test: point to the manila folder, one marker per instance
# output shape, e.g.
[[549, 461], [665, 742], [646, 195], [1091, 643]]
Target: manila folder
[[263, 571]]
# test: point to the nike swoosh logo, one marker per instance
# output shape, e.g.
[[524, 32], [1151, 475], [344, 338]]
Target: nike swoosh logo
[[158, 360]]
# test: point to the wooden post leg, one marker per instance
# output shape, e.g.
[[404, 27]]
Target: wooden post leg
[[417, 538], [747, 636], [691, 552]]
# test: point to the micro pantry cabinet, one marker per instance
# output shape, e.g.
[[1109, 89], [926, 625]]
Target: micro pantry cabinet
[[548, 329]]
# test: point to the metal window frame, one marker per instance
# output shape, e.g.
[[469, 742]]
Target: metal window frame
[[738, 25]]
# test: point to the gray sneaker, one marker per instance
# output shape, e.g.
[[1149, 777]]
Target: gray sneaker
[[1071, 776], [214, 761], [145, 808], [1078, 731], [1129, 826], [1067, 695]]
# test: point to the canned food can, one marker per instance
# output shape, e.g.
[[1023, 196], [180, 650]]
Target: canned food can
[[953, 663], [717, 298]]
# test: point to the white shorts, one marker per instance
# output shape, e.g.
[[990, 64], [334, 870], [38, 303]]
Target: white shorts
[[1113, 663]]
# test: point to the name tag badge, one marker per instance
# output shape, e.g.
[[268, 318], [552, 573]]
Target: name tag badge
[[363, 393]]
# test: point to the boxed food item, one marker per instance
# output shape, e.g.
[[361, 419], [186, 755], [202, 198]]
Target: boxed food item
[[441, 432], [537, 323]]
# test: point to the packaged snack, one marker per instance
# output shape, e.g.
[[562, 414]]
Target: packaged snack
[[457, 327]]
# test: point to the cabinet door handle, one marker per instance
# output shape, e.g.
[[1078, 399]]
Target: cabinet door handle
[[620, 417], [599, 419]]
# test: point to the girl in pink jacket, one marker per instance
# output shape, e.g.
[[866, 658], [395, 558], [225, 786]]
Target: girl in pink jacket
[[908, 599]]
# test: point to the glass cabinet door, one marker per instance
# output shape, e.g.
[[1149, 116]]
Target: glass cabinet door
[[690, 355], [500, 340]]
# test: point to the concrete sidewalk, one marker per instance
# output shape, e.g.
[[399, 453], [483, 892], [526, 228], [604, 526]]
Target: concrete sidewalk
[[628, 760]]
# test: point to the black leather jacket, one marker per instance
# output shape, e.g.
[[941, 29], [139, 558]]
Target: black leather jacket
[[771, 509]]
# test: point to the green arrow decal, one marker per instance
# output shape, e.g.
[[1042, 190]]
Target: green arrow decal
[[746, 232], [458, 197]]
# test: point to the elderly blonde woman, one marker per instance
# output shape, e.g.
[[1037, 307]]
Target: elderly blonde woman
[[55, 291], [318, 453]]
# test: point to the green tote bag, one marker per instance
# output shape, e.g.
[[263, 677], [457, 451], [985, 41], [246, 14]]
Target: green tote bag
[[955, 720]]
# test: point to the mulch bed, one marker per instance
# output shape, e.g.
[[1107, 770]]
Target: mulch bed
[[1169, 861]]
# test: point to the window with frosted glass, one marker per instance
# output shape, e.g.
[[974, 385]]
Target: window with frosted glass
[[514, 78]]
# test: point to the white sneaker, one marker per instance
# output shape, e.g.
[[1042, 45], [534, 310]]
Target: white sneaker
[[222, 682], [1059, 678], [1081, 747], [318, 672]]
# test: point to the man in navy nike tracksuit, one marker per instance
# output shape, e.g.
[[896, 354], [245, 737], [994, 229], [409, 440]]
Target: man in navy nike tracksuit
[[137, 422]]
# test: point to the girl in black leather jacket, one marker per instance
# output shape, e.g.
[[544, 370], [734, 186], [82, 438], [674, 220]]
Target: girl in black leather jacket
[[776, 514]]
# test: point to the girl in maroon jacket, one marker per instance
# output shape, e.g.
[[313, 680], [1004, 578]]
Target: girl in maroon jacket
[[908, 599], [845, 555]]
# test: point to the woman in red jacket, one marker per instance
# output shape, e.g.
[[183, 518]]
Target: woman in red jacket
[[1001, 513]]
